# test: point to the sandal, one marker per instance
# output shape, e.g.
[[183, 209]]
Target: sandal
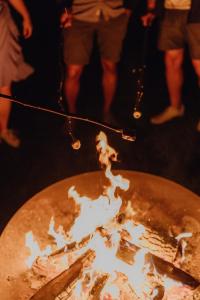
[[10, 138]]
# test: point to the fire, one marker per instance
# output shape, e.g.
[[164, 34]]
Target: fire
[[59, 235], [108, 276], [93, 214], [35, 250]]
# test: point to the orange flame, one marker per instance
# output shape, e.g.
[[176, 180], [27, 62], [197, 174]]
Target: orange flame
[[101, 213], [35, 250]]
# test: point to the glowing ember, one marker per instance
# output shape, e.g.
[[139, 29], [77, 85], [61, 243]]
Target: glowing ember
[[180, 238], [183, 235], [107, 277]]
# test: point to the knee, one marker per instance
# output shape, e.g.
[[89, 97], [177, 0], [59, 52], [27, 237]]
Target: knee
[[74, 72], [173, 61], [109, 68]]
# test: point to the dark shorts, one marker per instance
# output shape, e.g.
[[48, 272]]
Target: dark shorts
[[175, 32], [78, 39]]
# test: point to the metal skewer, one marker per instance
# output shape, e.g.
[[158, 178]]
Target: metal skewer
[[125, 133]]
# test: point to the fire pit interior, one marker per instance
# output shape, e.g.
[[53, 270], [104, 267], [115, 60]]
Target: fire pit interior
[[104, 235]]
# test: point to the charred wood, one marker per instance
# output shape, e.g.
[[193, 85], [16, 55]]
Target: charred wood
[[98, 287], [127, 250], [54, 287], [169, 249], [68, 248]]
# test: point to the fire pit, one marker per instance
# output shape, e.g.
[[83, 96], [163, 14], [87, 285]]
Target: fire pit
[[165, 214]]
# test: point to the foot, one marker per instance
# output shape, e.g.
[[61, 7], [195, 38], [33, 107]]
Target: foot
[[168, 114], [10, 138]]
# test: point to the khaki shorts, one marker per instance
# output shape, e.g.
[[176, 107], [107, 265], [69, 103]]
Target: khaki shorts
[[175, 32], [78, 39]]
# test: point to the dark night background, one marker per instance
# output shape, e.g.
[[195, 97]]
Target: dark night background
[[171, 150]]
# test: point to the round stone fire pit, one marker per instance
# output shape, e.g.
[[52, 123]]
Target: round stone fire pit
[[162, 206]]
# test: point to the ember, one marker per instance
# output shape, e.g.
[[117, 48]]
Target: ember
[[107, 254]]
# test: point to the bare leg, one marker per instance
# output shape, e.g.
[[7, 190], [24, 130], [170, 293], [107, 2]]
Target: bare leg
[[196, 65], [5, 108], [109, 82], [174, 75], [72, 85]]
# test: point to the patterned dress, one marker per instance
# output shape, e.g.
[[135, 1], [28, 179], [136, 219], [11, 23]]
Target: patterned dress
[[12, 64]]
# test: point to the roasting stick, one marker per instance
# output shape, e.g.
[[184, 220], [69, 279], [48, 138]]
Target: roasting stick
[[126, 134]]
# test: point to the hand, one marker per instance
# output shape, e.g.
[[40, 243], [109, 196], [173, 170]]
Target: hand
[[66, 19], [27, 27], [147, 19]]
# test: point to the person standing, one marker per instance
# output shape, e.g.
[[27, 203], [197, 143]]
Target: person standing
[[180, 24], [12, 65], [108, 20]]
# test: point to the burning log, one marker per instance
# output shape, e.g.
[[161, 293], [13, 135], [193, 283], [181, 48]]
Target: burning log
[[168, 253], [196, 294], [183, 293], [66, 279], [190, 286], [167, 247], [68, 248], [160, 245], [127, 250], [55, 263], [98, 287], [191, 256]]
